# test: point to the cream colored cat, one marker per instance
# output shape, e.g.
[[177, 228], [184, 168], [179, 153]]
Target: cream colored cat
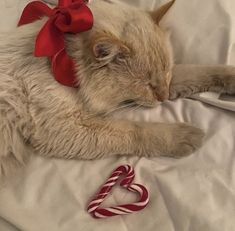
[[124, 61]]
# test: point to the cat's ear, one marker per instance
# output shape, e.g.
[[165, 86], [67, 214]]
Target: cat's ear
[[106, 48], [158, 14]]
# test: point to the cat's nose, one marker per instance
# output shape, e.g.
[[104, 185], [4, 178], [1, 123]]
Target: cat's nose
[[163, 96]]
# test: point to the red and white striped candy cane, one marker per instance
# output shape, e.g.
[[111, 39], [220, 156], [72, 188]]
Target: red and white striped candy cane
[[127, 171]]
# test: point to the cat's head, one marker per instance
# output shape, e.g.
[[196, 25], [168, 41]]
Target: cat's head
[[126, 58]]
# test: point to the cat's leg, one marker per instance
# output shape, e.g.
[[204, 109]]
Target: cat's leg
[[97, 138], [190, 79], [14, 122]]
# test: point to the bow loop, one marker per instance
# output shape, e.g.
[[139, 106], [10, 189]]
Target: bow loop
[[34, 11], [70, 16]]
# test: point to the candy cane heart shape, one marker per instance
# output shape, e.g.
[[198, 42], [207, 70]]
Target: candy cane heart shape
[[128, 173]]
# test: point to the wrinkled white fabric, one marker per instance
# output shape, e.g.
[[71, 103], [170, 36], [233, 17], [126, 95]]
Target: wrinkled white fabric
[[196, 193]]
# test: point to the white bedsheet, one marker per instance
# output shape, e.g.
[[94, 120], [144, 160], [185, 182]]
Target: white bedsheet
[[196, 193]]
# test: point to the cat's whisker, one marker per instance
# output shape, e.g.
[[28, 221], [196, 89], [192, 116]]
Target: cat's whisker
[[128, 106], [108, 112], [131, 108]]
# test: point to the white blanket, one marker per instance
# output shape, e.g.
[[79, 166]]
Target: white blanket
[[196, 193]]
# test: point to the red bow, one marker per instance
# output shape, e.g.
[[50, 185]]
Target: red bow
[[70, 16]]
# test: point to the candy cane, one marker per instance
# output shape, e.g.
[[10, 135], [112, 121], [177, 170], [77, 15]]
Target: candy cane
[[126, 170]]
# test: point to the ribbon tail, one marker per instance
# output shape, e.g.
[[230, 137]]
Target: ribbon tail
[[49, 40], [64, 69], [34, 11]]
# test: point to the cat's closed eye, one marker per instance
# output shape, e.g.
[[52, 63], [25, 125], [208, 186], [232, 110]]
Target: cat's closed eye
[[129, 103]]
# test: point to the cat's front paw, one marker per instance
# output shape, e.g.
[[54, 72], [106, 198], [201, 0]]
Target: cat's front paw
[[185, 140], [230, 85], [180, 91]]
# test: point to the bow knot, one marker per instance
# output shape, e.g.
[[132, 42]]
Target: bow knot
[[70, 16]]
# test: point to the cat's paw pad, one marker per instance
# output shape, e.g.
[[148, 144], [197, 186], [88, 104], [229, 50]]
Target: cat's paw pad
[[185, 140]]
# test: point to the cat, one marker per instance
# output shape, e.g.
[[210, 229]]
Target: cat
[[126, 60]]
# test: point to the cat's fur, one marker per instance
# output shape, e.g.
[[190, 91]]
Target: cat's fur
[[124, 60]]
